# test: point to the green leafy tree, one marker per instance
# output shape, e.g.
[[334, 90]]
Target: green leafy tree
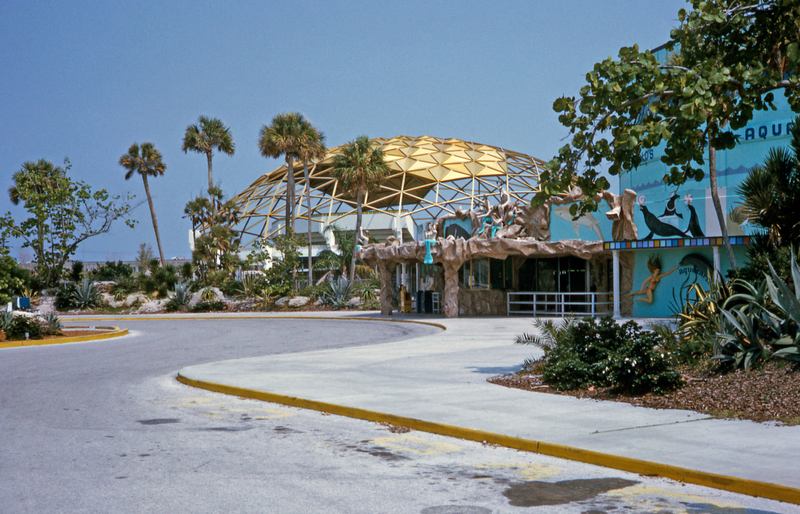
[[285, 136], [360, 168], [204, 138], [63, 214], [216, 250], [145, 160], [732, 55]]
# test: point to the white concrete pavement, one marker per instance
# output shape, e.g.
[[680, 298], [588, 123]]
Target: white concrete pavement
[[441, 378]]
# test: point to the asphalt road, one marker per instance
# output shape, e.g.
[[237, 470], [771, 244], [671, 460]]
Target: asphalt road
[[105, 427]]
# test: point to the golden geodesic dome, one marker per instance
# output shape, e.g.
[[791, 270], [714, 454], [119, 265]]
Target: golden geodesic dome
[[428, 177]]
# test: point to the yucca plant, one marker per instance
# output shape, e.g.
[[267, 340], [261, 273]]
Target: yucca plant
[[86, 295], [338, 294]]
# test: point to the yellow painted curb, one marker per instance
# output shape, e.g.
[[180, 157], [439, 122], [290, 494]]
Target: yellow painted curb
[[234, 318], [642, 467], [116, 332]]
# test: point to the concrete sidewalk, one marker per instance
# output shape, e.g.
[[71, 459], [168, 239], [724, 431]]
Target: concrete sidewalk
[[441, 378]]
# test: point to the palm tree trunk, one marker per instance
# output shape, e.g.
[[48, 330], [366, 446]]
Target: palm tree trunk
[[359, 199], [712, 175], [210, 175], [153, 215], [211, 184], [308, 216], [289, 223]]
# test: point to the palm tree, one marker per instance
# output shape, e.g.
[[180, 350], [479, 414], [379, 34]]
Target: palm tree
[[771, 192], [145, 160], [211, 134], [312, 147], [359, 168], [284, 137]]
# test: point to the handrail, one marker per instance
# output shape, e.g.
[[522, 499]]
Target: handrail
[[558, 304]]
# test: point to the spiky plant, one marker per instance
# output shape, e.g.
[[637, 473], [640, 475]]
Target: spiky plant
[[338, 294], [86, 295]]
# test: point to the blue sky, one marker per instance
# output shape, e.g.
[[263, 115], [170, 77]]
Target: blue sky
[[85, 80]]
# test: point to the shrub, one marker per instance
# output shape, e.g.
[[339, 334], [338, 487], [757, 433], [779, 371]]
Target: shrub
[[160, 280], [115, 271], [64, 300], [206, 306], [593, 352], [22, 325]]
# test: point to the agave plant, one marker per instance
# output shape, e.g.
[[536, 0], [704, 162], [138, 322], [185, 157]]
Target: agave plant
[[86, 295], [182, 293], [338, 294], [52, 325], [740, 342], [789, 303], [5, 320]]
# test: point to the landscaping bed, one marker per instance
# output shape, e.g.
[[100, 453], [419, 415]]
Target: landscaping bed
[[761, 395]]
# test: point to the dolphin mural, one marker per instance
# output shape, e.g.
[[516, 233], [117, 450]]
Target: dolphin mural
[[587, 220]]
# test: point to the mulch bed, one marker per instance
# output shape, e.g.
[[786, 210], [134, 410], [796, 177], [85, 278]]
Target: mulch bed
[[771, 393]]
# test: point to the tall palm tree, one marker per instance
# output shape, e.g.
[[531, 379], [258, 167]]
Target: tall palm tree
[[145, 160], [771, 192], [312, 147], [210, 134], [359, 168], [284, 136]]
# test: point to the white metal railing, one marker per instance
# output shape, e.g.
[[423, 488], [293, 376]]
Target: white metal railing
[[559, 304]]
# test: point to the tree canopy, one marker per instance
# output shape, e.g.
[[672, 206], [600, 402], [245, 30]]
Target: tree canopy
[[729, 57], [204, 138], [63, 214], [360, 168]]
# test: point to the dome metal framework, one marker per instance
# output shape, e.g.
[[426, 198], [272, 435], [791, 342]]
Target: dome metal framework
[[429, 177]]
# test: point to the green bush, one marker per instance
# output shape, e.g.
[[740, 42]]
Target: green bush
[[206, 306], [601, 353], [64, 300], [160, 280], [115, 271], [21, 325]]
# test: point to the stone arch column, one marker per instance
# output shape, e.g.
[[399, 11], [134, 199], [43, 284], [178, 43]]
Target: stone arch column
[[386, 268], [451, 287]]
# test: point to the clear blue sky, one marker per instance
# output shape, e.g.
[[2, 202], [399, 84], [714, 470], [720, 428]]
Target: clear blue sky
[[85, 80]]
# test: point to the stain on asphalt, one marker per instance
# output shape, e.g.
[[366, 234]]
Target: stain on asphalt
[[158, 421], [383, 453], [535, 494], [227, 429], [286, 430], [456, 509]]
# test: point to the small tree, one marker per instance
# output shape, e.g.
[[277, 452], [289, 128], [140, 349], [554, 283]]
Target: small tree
[[216, 249], [63, 214]]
